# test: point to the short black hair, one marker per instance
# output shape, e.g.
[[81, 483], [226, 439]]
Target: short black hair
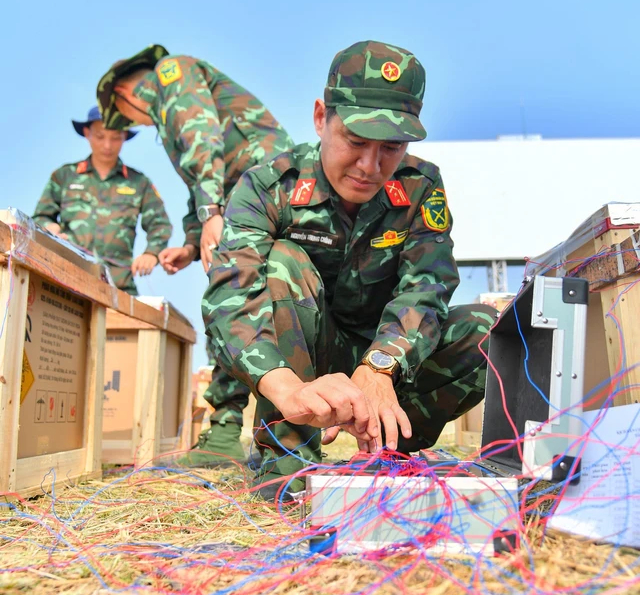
[[329, 113]]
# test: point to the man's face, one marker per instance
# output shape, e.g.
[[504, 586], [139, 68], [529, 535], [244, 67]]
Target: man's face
[[356, 167], [130, 106], [105, 144]]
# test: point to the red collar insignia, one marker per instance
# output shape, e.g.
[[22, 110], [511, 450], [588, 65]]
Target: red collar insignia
[[302, 192], [397, 194]]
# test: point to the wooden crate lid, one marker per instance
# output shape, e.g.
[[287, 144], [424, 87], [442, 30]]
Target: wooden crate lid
[[614, 215], [54, 261]]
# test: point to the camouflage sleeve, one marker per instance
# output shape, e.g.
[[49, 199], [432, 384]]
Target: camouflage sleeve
[[48, 207], [154, 220], [192, 120], [410, 324], [191, 226], [237, 307]]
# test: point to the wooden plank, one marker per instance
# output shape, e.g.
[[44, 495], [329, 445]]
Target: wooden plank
[[95, 389], [147, 405], [37, 473], [116, 321], [185, 399], [14, 288], [52, 266]]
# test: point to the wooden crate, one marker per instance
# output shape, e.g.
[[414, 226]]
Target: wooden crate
[[42, 275], [147, 391], [52, 341], [605, 250]]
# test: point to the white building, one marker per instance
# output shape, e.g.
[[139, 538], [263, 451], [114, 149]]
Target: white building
[[513, 198]]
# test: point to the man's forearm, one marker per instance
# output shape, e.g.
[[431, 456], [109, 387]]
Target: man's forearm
[[276, 384]]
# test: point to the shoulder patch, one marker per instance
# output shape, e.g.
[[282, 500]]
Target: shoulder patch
[[81, 168], [169, 72], [302, 193], [435, 212], [397, 194]]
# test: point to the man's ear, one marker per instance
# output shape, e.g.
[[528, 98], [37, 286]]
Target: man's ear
[[319, 116], [86, 131]]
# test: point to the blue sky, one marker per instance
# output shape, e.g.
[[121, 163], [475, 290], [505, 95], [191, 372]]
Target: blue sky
[[563, 69]]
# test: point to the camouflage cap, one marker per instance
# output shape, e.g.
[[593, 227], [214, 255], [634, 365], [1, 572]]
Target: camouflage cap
[[111, 117], [377, 90]]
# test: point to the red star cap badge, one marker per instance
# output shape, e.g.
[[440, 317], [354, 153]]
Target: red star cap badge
[[390, 71]]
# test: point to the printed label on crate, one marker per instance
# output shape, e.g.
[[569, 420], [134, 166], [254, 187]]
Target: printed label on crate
[[56, 339]]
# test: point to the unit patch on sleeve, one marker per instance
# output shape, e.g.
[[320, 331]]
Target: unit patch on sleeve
[[302, 192], [435, 212], [169, 72], [390, 238], [397, 194]]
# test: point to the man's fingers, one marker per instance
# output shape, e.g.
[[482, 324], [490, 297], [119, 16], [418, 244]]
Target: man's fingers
[[362, 413], [390, 423], [330, 435]]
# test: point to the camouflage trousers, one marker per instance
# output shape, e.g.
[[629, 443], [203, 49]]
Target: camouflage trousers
[[225, 394], [449, 383]]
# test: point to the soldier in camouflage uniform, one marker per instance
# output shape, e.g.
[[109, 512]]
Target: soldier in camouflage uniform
[[329, 293], [95, 203], [213, 130]]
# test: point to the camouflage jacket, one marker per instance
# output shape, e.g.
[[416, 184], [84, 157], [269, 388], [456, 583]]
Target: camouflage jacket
[[388, 276], [101, 215], [212, 129]]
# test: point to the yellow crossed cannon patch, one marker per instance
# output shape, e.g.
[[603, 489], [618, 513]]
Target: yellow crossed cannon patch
[[390, 238], [435, 212], [169, 71]]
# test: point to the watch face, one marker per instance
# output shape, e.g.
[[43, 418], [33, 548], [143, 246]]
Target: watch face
[[203, 214], [381, 360]]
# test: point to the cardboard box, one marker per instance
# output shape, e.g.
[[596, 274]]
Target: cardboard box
[[147, 391]]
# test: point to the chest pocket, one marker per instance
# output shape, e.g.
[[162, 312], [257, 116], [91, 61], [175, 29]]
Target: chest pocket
[[324, 250], [76, 204], [378, 265], [124, 208]]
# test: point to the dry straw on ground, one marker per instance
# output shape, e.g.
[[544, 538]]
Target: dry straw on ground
[[163, 531]]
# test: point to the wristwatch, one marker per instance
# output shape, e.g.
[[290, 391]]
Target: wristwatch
[[207, 211], [380, 361]]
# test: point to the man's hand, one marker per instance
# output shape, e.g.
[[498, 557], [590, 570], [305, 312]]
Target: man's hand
[[56, 230], [143, 265], [326, 401], [380, 393], [210, 239], [176, 259]]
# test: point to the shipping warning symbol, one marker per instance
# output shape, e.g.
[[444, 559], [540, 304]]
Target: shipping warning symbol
[[27, 377]]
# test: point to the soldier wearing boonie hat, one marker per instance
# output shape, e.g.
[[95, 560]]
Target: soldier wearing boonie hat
[[96, 204], [329, 293]]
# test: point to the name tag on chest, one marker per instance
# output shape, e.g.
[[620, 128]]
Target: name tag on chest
[[311, 237]]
